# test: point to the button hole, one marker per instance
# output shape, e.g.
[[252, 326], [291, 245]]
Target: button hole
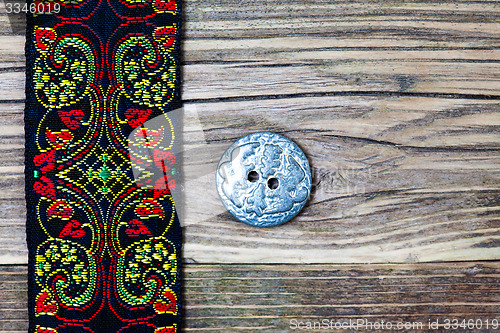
[[273, 183], [253, 176]]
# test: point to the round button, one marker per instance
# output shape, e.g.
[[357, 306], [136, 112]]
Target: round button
[[263, 179]]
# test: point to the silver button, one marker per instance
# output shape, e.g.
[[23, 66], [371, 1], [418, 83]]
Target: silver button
[[263, 179]]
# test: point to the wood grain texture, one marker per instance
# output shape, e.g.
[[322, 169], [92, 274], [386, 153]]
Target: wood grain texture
[[260, 298], [255, 48], [403, 179], [396, 104]]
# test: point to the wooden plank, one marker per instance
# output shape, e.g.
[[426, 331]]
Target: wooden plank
[[272, 298], [395, 180], [384, 192], [262, 48], [419, 171]]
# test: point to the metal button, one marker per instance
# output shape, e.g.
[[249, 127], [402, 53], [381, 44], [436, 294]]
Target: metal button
[[263, 179]]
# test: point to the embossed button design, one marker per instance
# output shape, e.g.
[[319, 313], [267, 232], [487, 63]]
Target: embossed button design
[[263, 179]]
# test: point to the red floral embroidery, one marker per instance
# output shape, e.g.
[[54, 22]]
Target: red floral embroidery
[[169, 305], [59, 139], [72, 118], [164, 186], [149, 138], [163, 159], [61, 209], [45, 305], [45, 160], [45, 187], [72, 229], [136, 117], [137, 228], [44, 37], [149, 208], [165, 34]]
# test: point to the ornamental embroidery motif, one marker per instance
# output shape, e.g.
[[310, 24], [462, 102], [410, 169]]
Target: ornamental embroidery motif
[[104, 242]]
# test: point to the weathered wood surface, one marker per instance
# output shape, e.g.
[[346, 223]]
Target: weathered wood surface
[[396, 104], [257, 298], [254, 48], [419, 184]]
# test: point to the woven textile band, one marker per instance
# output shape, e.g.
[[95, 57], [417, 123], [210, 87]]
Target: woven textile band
[[104, 240]]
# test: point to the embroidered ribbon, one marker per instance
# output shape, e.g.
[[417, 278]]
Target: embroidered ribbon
[[104, 246]]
